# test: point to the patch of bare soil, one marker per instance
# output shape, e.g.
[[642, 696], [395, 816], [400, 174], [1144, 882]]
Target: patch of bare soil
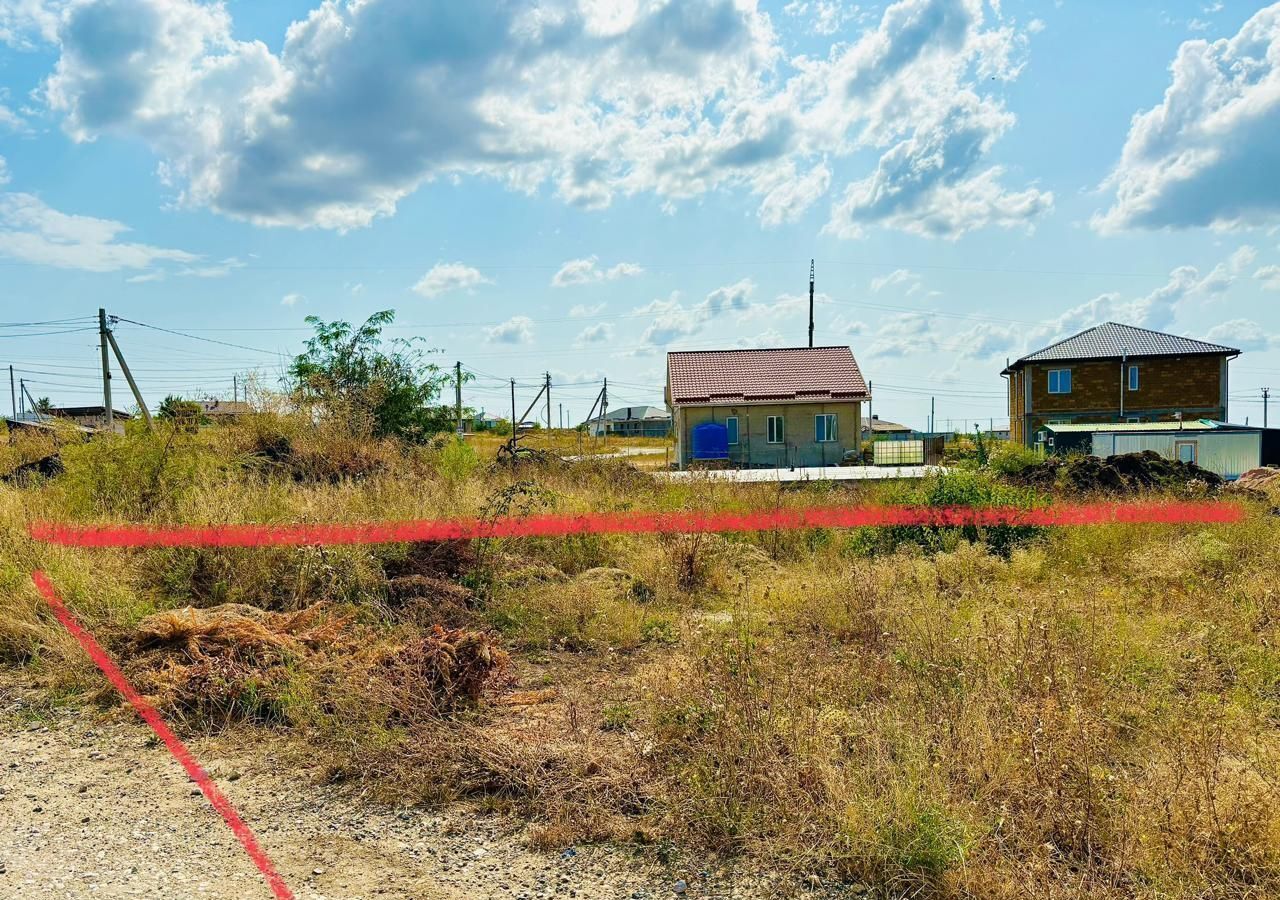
[[91, 806], [1124, 473]]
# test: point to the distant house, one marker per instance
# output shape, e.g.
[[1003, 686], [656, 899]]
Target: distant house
[[876, 427], [89, 416], [768, 408], [634, 421], [223, 410], [1116, 373]]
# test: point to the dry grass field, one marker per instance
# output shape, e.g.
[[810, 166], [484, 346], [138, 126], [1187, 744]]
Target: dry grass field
[[1002, 712]]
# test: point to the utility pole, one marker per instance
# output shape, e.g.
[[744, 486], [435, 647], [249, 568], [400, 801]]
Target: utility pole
[[235, 388], [22, 397], [604, 411], [13, 394], [933, 422], [513, 408], [128, 376], [457, 384], [35, 407], [548, 401], [810, 303], [1266, 395], [106, 369], [561, 405]]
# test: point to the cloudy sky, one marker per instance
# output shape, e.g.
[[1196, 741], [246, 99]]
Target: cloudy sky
[[577, 186]]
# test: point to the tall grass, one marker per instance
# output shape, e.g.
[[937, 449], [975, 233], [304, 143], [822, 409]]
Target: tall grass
[[967, 712]]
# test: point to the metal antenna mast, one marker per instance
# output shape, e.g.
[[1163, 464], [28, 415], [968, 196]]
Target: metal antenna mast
[[810, 303]]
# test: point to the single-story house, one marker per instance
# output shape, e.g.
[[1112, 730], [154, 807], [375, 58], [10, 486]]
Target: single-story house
[[634, 421], [90, 416], [876, 427], [1228, 450], [1116, 373], [223, 410], [766, 408]]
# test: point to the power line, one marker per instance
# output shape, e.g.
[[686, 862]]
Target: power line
[[195, 337]]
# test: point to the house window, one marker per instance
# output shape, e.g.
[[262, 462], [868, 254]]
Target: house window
[[1186, 451], [1059, 381], [824, 428], [731, 425], [776, 431], [1133, 378]]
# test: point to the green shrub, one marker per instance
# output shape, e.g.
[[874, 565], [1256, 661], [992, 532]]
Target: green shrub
[[1009, 458]]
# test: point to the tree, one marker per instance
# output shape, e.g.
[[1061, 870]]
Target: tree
[[391, 391], [182, 413], [43, 406]]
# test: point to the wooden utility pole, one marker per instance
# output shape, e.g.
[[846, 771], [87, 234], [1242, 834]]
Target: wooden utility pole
[[106, 369], [13, 394], [513, 408], [235, 388], [35, 407], [1266, 395], [561, 405], [457, 383], [548, 401], [128, 376], [604, 410]]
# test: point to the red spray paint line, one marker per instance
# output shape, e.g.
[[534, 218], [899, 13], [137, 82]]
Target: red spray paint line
[[176, 747], [559, 525]]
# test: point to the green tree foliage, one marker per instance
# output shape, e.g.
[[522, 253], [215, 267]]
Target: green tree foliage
[[383, 387], [182, 413]]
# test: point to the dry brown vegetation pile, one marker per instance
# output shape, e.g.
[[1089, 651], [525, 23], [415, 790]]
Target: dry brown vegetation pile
[[440, 670], [1125, 473], [226, 663]]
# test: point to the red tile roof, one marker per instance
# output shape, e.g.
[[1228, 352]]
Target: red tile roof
[[762, 376]]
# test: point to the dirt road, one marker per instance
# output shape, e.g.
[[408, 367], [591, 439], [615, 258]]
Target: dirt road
[[92, 807]]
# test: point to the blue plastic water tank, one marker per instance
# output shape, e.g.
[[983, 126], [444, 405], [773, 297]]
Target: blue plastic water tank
[[710, 441]]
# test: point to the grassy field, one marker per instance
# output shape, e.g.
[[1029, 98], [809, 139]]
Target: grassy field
[[1000, 712]]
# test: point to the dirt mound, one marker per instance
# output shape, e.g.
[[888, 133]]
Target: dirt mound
[[225, 663], [435, 559], [1265, 481], [29, 472], [440, 671], [1125, 473], [431, 601]]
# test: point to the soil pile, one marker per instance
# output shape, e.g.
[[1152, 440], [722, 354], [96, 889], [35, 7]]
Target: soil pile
[[1125, 473], [29, 472]]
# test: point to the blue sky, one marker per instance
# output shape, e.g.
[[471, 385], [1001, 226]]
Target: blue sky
[[577, 186]]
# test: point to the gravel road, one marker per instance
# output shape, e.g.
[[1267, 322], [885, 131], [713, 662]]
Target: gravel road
[[91, 806]]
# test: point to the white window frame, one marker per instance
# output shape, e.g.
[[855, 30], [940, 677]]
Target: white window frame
[[1133, 378], [1195, 451], [1058, 373], [825, 427], [734, 435], [781, 429]]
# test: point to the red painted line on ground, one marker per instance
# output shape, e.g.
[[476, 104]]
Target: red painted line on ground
[[559, 525], [176, 747]]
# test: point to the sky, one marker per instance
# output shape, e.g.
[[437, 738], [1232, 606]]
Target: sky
[[579, 186]]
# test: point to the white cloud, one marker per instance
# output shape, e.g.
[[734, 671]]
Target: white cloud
[[4, 171], [897, 277], [444, 278], [599, 333], [822, 16], [586, 271], [290, 299], [516, 330], [1243, 334], [1205, 156], [365, 101], [33, 232], [1269, 276], [672, 319], [582, 311]]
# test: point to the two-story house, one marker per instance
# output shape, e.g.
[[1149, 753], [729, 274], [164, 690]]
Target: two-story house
[[1117, 373]]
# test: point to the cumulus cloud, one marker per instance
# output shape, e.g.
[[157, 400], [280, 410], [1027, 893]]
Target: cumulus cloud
[[586, 271], [582, 311], [1269, 276], [672, 319], [1243, 334], [365, 100], [599, 333], [1205, 156], [516, 330], [290, 299], [32, 231], [445, 278]]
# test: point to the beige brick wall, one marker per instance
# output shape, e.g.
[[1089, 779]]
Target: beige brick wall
[[799, 448]]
